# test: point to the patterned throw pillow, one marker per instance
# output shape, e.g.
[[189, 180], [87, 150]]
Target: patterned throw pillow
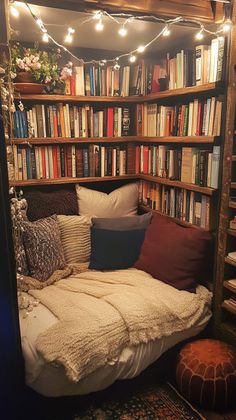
[[75, 238], [43, 247]]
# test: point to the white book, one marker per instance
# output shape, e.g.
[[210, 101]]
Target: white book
[[113, 162], [162, 161], [84, 125], [76, 121], [100, 123], [68, 128], [190, 119], [102, 161], [215, 166], [208, 110], [36, 151], [15, 160], [47, 163], [73, 163], [35, 122], [214, 59], [191, 207], [119, 122], [171, 164], [79, 81], [209, 168], [211, 118], [145, 119], [195, 115], [50, 158], [44, 123]]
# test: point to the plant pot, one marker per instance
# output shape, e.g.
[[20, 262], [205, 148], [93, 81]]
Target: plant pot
[[29, 88], [24, 77]]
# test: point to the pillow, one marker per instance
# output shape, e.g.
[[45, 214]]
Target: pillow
[[75, 238], [175, 254], [119, 203], [123, 223], [113, 250], [46, 203], [43, 247]]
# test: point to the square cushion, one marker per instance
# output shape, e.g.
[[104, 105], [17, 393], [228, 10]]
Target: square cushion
[[75, 238], [121, 202], [174, 254], [43, 247], [123, 223], [115, 249]]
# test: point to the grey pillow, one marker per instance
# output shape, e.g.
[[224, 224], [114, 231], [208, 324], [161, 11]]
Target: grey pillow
[[123, 223], [43, 247]]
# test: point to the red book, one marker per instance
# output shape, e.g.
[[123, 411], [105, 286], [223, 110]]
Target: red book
[[72, 84], [43, 161], [137, 158], [110, 122], [155, 78], [145, 159], [54, 158], [55, 129], [69, 160], [79, 162]]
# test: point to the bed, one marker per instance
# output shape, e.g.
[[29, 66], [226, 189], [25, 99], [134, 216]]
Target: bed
[[187, 313]]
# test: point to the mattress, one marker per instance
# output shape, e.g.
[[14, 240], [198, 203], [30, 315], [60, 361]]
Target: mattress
[[50, 380]]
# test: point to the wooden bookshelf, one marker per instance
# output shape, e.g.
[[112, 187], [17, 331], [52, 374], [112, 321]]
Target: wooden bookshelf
[[192, 90], [232, 204], [126, 139], [228, 308], [228, 286], [230, 261], [231, 232], [174, 219], [67, 180], [233, 158], [179, 184]]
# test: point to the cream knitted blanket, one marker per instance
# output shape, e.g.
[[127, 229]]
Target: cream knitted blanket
[[99, 313]]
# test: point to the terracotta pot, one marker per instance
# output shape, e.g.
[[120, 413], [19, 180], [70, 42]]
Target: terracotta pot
[[24, 77]]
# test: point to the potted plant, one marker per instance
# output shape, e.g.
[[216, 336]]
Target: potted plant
[[35, 69]]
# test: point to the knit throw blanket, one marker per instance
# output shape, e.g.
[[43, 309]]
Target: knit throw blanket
[[100, 313]]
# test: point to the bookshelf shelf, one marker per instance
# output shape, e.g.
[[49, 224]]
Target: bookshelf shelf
[[228, 286], [233, 158], [126, 139], [232, 204], [230, 261], [66, 180], [192, 90], [174, 219], [228, 308], [179, 184], [231, 232], [233, 185]]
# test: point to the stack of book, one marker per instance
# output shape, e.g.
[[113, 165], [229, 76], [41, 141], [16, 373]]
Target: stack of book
[[50, 162], [197, 118], [186, 68], [64, 120], [182, 204], [189, 164]]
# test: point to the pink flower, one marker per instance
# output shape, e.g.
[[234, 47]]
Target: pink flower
[[20, 63]]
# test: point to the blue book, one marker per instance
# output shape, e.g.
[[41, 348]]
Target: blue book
[[16, 125], [28, 163], [91, 81], [85, 163], [21, 130], [24, 123]]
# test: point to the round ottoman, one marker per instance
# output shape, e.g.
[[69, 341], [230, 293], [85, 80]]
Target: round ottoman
[[206, 373]]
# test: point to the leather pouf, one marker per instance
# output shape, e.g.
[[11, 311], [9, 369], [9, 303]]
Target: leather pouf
[[206, 374]]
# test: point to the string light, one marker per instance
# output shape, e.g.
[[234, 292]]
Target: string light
[[166, 31], [99, 26], [122, 31], [199, 35], [14, 12], [99, 15], [45, 37], [116, 66], [141, 48], [69, 38]]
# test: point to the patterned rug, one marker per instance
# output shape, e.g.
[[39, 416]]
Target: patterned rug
[[160, 402]]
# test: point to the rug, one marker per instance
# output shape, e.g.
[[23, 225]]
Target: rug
[[156, 402]]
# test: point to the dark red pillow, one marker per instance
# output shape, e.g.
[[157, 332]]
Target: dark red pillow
[[174, 254]]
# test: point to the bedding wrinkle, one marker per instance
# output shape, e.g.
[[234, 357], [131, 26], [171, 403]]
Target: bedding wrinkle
[[101, 313]]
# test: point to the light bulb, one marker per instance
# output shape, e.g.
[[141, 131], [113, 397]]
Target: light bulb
[[97, 15], [99, 26], [141, 48], [199, 35], [71, 31], [132, 58], [122, 31], [166, 32], [14, 12], [68, 39], [227, 25], [45, 37], [116, 66], [39, 22]]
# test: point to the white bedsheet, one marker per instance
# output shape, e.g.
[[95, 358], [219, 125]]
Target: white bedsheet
[[51, 380]]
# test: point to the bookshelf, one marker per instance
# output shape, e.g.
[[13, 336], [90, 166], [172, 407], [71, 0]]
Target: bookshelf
[[225, 268]]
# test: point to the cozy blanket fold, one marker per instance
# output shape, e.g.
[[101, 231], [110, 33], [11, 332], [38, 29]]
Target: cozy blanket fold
[[99, 313]]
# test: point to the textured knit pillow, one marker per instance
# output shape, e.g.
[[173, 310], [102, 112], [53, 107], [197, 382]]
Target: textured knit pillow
[[119, 203], [48, 202], [43, 247], [75, 238], [123, 223], [115, 249], [175, 254]]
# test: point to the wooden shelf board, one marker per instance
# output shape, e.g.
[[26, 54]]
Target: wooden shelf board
[[66, 140], [174, 219], [228, 286], [233, 185], [179, 184], [66, 180], [230, 262], [231, 232], [232, 204], [209, 87], [229, 308], [136, 139], [233, 158]]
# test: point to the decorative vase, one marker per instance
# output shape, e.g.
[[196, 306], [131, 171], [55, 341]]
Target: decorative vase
[[25, 83]]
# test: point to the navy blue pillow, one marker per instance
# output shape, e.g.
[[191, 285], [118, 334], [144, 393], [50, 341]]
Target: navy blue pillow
[[115, 249]]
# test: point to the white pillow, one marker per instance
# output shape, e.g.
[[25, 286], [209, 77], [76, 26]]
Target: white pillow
[[119, 203], [75, 238]]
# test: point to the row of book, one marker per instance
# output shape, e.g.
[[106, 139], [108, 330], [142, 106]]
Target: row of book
[[64, 120], [188, 67], [50, 162], [197, 118], [189, 164], [188, 206]]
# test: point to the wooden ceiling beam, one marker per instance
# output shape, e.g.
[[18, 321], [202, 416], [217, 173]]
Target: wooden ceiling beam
[[194, 9]]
